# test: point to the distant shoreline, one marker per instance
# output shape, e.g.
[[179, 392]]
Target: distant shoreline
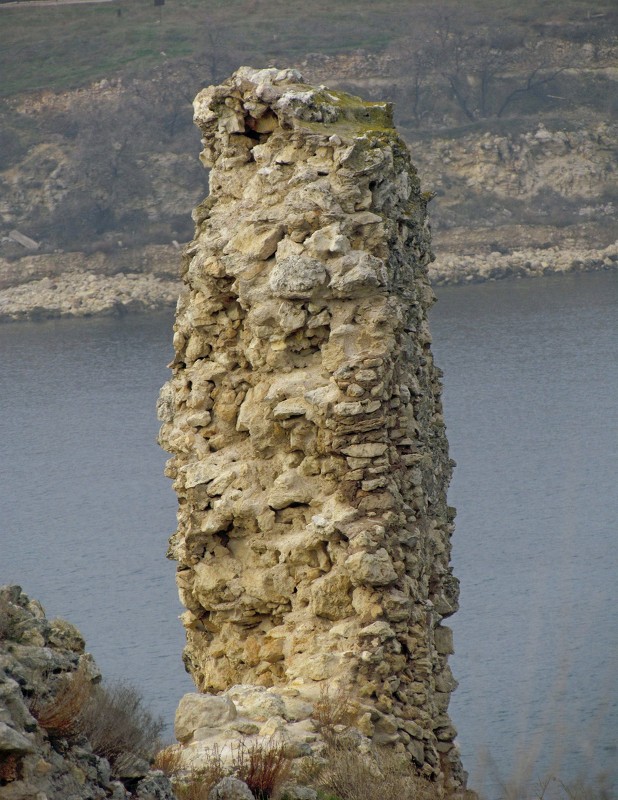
[[451, 269], [73, 285], [50, 2]]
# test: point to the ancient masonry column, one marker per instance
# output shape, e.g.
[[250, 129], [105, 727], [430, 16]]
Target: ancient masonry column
[[304, 418]]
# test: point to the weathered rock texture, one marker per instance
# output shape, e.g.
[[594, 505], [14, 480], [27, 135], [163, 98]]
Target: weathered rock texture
[[304, 417], [36, 655]]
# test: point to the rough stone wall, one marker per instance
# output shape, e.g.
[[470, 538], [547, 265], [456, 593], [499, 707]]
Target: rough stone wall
[[304, 418]]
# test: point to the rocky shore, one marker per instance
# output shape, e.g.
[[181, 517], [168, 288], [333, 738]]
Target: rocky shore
[[79, 294], [451, 269], [66, 285], [53, 285]]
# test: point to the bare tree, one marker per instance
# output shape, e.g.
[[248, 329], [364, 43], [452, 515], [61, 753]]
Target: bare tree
[[540, 75], [104, 176], [477, 66]]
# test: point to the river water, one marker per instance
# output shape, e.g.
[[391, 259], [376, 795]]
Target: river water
[[531, 388]]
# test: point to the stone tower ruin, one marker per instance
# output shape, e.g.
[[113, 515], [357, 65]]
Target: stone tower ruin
[[309, 452]]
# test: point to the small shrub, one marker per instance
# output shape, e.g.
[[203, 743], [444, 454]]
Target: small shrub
[[262, 767], [60, 716], [112, 718], [332, 714], [118, 725]]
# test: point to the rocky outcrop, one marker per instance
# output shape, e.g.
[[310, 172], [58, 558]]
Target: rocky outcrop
[[41, 756], [577, 164], [56, 285], [304, 418]]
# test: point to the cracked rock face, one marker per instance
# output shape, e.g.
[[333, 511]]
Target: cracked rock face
[[308, 446]]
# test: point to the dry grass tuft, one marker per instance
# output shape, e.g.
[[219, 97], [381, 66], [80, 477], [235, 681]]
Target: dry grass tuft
[[198, 783], [348, 774], [168, 760], [333, 714], [262, 767], [60, 716], [118, 725]]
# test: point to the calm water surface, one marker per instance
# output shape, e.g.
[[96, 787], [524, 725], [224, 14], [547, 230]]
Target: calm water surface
[[86, 510], [531, 382], [531, 403]]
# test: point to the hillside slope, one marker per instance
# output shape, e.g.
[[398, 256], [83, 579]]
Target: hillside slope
[[511, 116]]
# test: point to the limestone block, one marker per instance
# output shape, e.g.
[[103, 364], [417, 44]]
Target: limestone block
[[292, 407], [230, 789], [444, 640], [296, 709], [445, 681], [257, 241], [274, 726], [357, 273], [13, 709], [271, 585], [217, 581], [365, 450], [256, 702], [297, 277], [290, 487], [380, 630], [11, 741], [375, 569], [330, 596], [328, 240], [202, 713], [316, 667], [291, 318]]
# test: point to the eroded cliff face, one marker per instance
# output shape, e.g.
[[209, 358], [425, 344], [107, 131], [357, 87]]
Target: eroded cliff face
[[304, 417]]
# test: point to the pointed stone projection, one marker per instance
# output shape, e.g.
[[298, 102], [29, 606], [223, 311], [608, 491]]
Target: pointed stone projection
[[304, 418]]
